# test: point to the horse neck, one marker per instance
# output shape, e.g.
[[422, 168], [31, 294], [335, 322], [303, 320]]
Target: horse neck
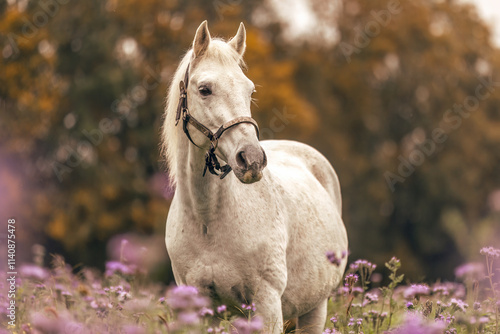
[[202, 194]]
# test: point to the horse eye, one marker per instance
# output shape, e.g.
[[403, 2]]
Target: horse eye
[[204, 91]]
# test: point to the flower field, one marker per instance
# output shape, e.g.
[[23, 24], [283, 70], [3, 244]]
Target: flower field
[[62, 299]]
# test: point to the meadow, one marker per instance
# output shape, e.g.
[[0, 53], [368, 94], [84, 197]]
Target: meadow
[[65, 299]]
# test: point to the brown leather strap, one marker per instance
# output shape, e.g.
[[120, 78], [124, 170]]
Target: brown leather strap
[[200, 127], [236, 121], [182, 106]]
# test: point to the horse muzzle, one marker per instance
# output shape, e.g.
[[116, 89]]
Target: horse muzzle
[[249, 162]]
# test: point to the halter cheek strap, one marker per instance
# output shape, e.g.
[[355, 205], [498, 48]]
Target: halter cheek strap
[[211, 161]]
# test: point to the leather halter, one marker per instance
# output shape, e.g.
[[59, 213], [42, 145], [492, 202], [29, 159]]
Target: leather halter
[[211, 161]]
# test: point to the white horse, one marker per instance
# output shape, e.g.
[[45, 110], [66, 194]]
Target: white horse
[[260, 234]]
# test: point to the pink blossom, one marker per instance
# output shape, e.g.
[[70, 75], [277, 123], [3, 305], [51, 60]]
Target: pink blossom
[[415, 324], [188, 318], [119, 267], [34, 272], [185, 297], [244, 326], [416, 290], [334, 259], [490, 251], [472, 270]]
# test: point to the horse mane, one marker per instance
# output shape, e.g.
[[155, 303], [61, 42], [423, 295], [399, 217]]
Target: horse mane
[[219, 50]]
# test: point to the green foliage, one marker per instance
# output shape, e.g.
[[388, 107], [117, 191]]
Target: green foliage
[[393, 265]]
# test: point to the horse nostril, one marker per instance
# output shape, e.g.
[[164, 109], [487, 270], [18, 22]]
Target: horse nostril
[[241, 160], [251, 158]]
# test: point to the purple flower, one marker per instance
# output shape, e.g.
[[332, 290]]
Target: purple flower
[[483, 320], [415, 324], [249, 307], [185, 297], [143, 253], [342, 291], [472, 270], [357, 290], [244, 326], [370, 298], [60, 323], [409, 305], [350, 280], [34, 272], [449, 289], [330, 331], [490, 251], [377, 278], [118, 267], [332, 257], [188, 318], [46, 324], [355, 322], [459, 304], [416, 290], [119, 291], [361, 264], [206, 311], [221, 309]]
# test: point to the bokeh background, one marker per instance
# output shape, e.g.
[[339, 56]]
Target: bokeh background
[[369, 83]]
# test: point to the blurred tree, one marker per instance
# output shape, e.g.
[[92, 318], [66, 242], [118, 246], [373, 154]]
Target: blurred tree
[[399, 74], [82, 91], [82, 99]]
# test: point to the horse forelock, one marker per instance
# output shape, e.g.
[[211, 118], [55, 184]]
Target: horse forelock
[[218, 50]]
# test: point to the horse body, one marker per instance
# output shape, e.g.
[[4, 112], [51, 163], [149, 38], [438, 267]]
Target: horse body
[[262, 242]]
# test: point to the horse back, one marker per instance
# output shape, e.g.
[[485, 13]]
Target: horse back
[[292, 154]]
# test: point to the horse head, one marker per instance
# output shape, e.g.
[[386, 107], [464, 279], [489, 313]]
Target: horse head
[[219, 97]]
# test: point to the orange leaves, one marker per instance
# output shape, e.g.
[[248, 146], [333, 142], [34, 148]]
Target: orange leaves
[[57, 227], [277, 93]]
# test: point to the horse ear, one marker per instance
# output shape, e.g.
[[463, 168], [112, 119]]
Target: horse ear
[[238, 42], [201, 40]]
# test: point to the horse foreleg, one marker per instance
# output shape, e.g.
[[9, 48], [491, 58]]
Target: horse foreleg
[[268, 304], [314, 321]]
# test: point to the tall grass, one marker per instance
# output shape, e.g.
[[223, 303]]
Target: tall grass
[[62, 299]]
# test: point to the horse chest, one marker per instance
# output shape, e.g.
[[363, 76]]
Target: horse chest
[[223, 263], [218, 269]]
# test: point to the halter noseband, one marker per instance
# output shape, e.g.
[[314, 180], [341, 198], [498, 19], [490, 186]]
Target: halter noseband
[[211, 161]]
